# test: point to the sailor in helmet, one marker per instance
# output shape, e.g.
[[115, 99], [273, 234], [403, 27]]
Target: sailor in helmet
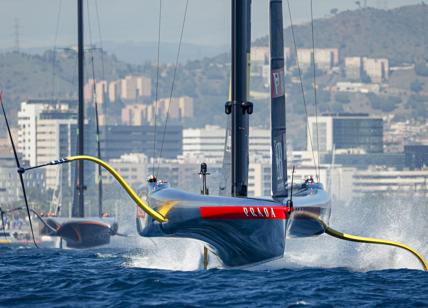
[[151, 179]]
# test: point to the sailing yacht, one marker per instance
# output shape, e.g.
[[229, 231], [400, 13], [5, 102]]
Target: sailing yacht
[[80, 231], [239, 229]]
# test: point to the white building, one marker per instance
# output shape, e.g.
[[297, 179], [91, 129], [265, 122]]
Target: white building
[[134, 168], [357, 87], [390, 181], [47, 131], [134, 87], [209, 141], [353, 67], [376, 68], [325, 58]]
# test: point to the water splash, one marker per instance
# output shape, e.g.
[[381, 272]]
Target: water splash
[[398, 219]]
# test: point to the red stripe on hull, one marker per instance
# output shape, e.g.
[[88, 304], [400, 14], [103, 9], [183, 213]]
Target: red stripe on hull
[[244, 212]]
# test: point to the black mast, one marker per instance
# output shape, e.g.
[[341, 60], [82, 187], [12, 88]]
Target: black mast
[[278, 123], [239, 106], [78, 208]]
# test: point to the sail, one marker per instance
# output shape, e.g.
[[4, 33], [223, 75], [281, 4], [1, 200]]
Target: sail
[[277, 84]]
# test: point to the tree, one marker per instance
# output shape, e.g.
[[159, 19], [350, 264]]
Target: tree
[[334, 11]]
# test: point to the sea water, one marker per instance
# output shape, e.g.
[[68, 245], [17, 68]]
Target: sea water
[[320, 271]]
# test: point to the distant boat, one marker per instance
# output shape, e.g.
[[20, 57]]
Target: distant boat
[[80, 231]]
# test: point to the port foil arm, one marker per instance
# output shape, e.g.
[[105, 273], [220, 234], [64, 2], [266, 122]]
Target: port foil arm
[[134, 196]]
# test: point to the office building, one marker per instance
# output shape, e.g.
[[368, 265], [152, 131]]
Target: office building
[[345, 131], [117, 140], [416, 156]]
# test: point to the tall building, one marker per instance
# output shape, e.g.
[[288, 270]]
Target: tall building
[[30, 114], [376, 68], [114, 91], [345, 131], [47, 131], [142, 114], [325, 58], [353, 68], [134, 87]]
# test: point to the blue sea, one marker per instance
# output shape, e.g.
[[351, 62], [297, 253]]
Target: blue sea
[[108, 277], [321, 271]]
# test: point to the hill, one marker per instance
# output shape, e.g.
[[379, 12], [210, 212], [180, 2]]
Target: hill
[[399, 34]]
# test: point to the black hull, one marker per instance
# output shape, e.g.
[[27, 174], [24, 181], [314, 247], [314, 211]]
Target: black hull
[[81, 233], [237, 239], [241, 231]]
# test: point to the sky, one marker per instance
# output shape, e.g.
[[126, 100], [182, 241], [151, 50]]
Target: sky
[[208, 21]]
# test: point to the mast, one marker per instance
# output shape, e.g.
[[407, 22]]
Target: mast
[[78, 208], [239, 107], [277, 84]]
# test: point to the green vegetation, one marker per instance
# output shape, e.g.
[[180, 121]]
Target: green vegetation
[[396, 34], [384, 103]]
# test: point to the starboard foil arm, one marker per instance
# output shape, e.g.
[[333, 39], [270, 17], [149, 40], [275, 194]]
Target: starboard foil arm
[[352, 238]]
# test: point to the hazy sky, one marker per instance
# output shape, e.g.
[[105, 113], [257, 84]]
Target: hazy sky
[[136, 20]]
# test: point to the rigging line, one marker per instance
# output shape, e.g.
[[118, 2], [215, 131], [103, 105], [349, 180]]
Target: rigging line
[[20, 169], [315, 88], [301, 87], [157, 86], [97, 124], [101, 40], [173, 82], [54, 50]]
